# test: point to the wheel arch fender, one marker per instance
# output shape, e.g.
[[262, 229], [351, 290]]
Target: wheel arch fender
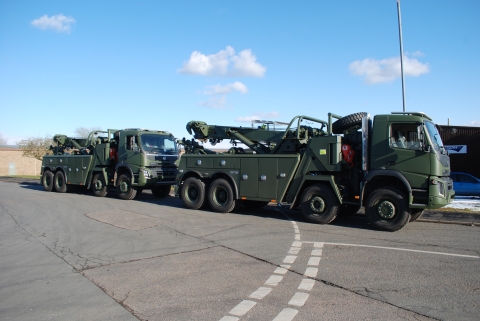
[[122, 168], [377, 178], [61, 169], [229, 178], [309, 180]]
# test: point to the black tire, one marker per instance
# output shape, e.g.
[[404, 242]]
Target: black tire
[[253, 205], [319, 204], [99, 186], [350, 122], [124, 188], [60, 182], [192, 193], [47, 181], [415, 213], [220, 196], [161, 192], [387, 209], [348, 210]]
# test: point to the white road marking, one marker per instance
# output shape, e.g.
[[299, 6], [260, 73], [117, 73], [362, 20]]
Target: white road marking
[[286, 315], [314, 260], [260, 293], [297, 237], [317, 252], [294, 250], [274, 280], [311, 272], [297, 244], [290, 259], [299, 299], [243, 307], [306, 284], [229, 318], [280, 270], [286, 266], [407, 250]]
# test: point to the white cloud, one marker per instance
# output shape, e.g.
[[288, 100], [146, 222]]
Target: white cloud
[[258, 116], [228, 88], [223, 63], [59, 23], [215, 102], [387, 70]]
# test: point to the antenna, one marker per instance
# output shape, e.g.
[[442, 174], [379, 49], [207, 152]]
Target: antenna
[[401, 51]]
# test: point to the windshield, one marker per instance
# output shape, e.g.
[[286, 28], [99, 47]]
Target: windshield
[[435, 137], [158, 144]]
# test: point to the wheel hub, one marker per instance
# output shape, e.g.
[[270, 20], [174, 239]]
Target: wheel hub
[[220, 195], [317, 204], [192, 193], [98, 185], [386, 210], [124, 187]]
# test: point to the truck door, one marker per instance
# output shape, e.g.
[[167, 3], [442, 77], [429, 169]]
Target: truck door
[[406, 154]]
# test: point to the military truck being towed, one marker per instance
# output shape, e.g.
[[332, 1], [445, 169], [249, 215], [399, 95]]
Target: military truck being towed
[[129, 160], [394, 165]]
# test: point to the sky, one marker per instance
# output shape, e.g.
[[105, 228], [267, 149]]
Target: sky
[[160, 64]]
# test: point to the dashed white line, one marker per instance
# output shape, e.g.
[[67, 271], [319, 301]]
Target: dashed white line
[[280, 270], [229, 318], [306, 284], [297, 244], [314, 260], [311, 272], [260, 293], [290, 259], [317, 252], [286, 315], [294, 250], [299, 299], [243, 307], [274, 280]]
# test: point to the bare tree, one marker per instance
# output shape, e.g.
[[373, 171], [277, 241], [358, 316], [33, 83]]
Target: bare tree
[[35, 147], [3, 141], [82, 132]]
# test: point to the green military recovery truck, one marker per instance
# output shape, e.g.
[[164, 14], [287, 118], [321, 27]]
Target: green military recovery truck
[[394, 165], [129, 160]]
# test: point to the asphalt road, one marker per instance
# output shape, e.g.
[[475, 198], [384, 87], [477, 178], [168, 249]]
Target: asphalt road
[[78, 257]]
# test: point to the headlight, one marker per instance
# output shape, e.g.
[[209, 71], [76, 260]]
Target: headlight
[[146, 173]]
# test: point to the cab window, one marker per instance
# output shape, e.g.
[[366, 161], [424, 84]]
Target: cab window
[[405, 136]]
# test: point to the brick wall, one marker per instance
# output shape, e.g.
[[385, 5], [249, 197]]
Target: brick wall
[[20, 165]]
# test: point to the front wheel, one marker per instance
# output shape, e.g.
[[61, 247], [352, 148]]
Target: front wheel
[[161, 192], [99, 187], [387, 209], [319, 204], [47, 181], [124, 188], [220, 196], [192, 193], [60, 182]]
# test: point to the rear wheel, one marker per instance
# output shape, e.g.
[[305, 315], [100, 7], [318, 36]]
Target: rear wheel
[[220, 196], [416, 213], [161, 192], [47, 181], [319, 204], [99, 187], [192, 193], [387, 209], [60, 182], [124, 188]]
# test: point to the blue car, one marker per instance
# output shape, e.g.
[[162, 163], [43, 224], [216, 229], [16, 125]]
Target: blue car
[[465, 184]]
